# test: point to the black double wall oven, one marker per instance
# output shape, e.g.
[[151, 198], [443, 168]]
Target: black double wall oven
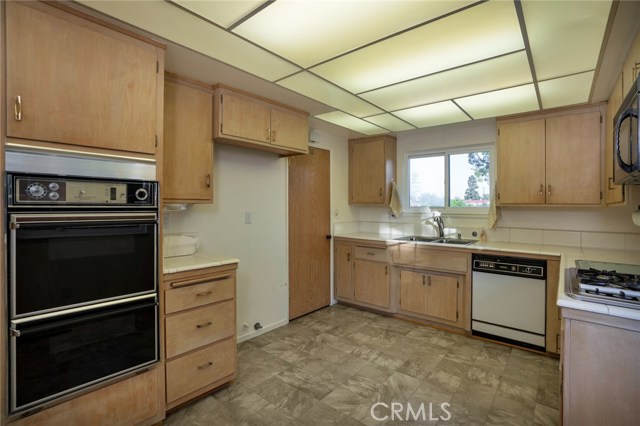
[[82, 284]]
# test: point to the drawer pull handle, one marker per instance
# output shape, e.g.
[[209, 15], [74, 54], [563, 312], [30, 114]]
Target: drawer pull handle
[[204, 324], [370, 253], [205, 365], [200, 281], [204, 293], [17, 108]]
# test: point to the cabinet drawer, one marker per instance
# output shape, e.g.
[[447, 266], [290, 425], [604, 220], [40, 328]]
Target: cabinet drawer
[[201, 368], [192, 329], [431, 258], [198, 292], [370, 253]]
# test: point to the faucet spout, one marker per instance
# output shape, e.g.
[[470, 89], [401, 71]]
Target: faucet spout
[[440, 224]]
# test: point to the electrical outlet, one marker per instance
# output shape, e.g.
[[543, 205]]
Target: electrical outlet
[[247, 218]]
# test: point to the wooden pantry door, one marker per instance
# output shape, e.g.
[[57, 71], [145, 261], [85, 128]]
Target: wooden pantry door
[[309, 231]]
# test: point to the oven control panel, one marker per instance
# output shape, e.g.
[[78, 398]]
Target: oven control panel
[[48, 190]]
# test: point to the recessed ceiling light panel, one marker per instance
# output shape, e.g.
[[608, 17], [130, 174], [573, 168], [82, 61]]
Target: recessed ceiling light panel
[[433, 115], [223, 12], [350, 122], [501, 102], [390, 122], [570, 90]]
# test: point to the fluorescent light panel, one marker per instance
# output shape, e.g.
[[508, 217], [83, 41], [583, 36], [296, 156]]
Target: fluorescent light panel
[[565, 36], [308, 32], [483, 31], [433, 115], [498, 73], [500, 102], [172, 23], [349, 122], [390, 122], [316, 88], [223, 12], [570, 90]]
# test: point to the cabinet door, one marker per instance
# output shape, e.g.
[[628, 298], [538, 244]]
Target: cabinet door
[[343, 268], [188, 144], [413, 292], [289, 130], [243, 118], [573, 159], [367, 172], [614, 194], [442, 297], [79, 83], [521, 162], [371, 282]]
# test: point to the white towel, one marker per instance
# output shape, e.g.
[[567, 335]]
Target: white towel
[[494, 209], [394, 203]]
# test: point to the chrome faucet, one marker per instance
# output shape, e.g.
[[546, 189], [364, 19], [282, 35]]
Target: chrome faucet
[[440, 224]]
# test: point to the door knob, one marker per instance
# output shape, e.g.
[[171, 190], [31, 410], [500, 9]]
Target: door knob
[[328, 237]]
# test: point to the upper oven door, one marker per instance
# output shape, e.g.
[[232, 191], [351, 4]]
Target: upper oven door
[[63, 261]]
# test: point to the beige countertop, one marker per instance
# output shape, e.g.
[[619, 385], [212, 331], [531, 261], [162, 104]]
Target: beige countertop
[[196, 261], [568, 256]]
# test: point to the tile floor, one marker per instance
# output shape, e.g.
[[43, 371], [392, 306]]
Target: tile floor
[[331, 366]]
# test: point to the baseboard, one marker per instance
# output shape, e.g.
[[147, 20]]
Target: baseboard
[[256, 333]]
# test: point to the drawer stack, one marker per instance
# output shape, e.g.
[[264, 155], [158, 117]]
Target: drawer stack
[[200, 331]]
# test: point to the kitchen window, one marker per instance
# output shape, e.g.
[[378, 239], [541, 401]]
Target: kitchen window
[[457, 181]]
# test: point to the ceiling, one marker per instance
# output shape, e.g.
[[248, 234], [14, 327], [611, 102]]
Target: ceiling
[[377, 66]]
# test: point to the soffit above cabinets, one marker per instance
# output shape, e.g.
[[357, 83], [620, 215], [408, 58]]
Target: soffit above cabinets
[[394, 65]]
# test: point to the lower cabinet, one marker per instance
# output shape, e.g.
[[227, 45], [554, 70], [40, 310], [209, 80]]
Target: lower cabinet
[[430, 294], [343, 268], [200, 332], [371, 283], [134, 401]]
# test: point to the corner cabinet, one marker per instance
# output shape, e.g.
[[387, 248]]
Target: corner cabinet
[[200, 331], [552, 159], [188, 142], [372, 168], [245, 120], [74, 81], [362, 274]]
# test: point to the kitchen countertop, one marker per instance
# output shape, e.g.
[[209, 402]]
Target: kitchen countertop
[[196, 261], [568, 256]]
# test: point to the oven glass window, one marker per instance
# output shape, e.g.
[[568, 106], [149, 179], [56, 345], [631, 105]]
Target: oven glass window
[[58, 266], [57, 357]]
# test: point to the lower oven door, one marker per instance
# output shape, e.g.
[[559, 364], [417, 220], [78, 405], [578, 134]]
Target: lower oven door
[[61, 261], [54, 357]]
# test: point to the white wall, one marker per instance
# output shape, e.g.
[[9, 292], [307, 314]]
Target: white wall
[[252, 181], [255, 182]]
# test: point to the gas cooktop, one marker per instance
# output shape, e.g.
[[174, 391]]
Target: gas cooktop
[[615, 284]]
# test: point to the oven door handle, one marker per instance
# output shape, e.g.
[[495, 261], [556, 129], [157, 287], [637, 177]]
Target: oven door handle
[[17, 219]]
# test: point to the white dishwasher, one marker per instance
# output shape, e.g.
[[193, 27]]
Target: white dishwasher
[[509, 300]]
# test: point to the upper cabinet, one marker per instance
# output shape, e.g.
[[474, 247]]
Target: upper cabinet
[[372, 168], [553, 159], [245, 120], [73, 81], [188, 142]]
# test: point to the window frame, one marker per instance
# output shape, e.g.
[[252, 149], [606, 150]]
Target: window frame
[[447, 152]]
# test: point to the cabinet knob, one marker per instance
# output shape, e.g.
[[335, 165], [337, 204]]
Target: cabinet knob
[[549, 190], [273, 136], [17, 108], [380, 192], [541, 189], [268, 134], [348, 257], [208, 181]]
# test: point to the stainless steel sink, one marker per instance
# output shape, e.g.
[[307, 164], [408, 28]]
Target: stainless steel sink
[[438, 240], [420, 239]]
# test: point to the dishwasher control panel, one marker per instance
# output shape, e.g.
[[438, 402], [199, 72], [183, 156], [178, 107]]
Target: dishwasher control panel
[[531, 268]]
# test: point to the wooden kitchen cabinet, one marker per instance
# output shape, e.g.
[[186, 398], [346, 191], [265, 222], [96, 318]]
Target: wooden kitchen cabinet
[[430, 294], [372, 168], [188, 141], [371, 283], [553, 160], [200, 331], [600, 378], [74, 81], [249, 121], [343, 275]]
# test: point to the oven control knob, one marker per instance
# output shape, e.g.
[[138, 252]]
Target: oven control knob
[[36, 190], [54, 196], [53, 186], [142, 194]]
